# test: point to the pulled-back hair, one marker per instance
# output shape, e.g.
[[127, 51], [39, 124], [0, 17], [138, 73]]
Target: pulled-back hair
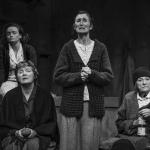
[[87, 13], [24, 38], [73, 33]]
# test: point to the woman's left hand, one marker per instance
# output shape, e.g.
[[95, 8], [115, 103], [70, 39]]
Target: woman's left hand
[[86, 70], [145, 112], [32, 134]]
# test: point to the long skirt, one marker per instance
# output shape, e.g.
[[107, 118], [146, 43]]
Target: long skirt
[[80, 134], [31, 144]]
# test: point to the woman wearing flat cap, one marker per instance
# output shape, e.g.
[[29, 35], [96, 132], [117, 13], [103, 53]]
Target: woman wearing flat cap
[[135, 108]]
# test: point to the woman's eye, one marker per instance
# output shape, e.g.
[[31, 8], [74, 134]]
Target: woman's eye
[[7, 33], [139, 80], [147, 79], [85, 20], [14, 32], [28, 70], [20, 72]]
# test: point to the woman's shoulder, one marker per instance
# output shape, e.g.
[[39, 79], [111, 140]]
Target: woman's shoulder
[[46, 96], [28, 46], [12, 95], [43, 92], [67, 46], [100, 45], [69, 43], [99, 42], [130, 95]]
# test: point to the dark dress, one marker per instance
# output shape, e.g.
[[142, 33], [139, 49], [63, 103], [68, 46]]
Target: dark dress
[[42, 119]]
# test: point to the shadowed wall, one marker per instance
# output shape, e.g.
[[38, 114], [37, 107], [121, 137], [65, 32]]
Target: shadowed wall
[[124, 26]]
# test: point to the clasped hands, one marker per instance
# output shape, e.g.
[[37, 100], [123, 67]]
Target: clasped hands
[[144, 113], [85, 72], [25, 133]]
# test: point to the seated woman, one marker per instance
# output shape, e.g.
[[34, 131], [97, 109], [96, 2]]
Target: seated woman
[[14, 48], [134, 113], [28, 117]]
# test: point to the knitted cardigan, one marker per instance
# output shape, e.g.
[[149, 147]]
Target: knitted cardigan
[[67, 74]]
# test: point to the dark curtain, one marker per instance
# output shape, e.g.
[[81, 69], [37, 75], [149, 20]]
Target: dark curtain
[[123, 25]]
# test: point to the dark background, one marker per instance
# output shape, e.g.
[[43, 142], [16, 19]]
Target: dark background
[[123, 25]]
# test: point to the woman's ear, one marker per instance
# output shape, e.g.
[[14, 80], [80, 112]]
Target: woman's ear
[[20, 36], [74, 26], [91, 27]]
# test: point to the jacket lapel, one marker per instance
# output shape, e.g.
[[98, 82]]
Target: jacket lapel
[[76, 56], [24, 51], [20, 104], [135, 102], [94, 55]]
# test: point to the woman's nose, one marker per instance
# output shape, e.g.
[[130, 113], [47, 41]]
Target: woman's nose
[[24, 72], [144, 81], [81, 22], [10, 34]]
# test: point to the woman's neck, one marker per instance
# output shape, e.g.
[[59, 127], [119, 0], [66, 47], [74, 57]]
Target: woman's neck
[[15, 46], [27, 89], [84, 39], [143, 94]]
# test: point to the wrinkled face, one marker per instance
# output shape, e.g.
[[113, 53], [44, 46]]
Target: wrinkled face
[[12, 34], [25, 75], [82, 23], [143, 84]]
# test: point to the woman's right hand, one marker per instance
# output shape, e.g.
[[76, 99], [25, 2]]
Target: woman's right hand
[[84, 75], [18, 133], [139, 121], [136, 122]]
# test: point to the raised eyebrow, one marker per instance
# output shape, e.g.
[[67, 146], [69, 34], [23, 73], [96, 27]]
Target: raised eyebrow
[[78, 19], [85, 18], [19, 71], [28, 69], [11, 32], [139, 79]]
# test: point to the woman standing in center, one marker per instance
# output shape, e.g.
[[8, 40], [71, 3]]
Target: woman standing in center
[[83, 69]]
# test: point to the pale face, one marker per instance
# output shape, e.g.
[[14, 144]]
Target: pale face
[[12, 34], [82, 23], [25, 75], [143, 84]]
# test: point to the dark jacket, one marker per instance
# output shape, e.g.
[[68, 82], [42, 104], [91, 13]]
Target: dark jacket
[[29, 54], [127, 113], [67, 74], [43, 117]]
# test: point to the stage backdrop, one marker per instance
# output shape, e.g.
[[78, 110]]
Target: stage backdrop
[[123, 25]]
